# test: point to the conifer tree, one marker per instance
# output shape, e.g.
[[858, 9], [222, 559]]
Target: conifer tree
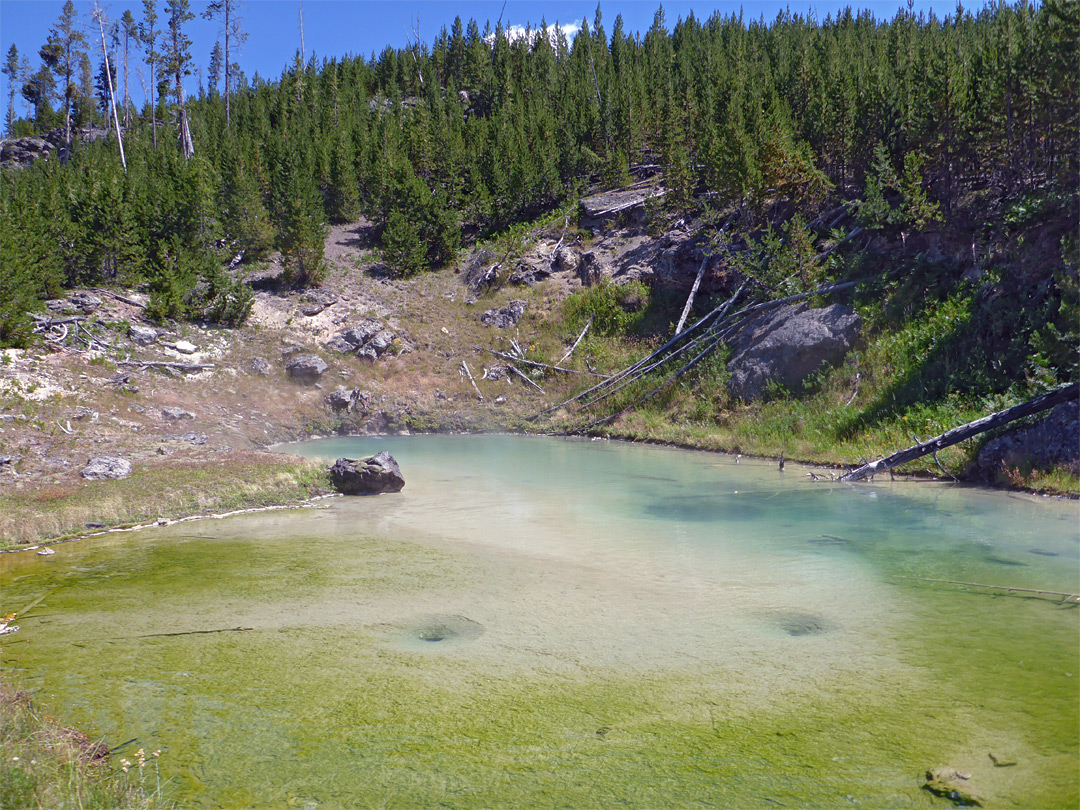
[[148, 35], [11, 70], [177, 63], [63, 53]]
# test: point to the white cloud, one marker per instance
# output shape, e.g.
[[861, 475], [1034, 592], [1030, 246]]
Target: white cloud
[[516, 32]]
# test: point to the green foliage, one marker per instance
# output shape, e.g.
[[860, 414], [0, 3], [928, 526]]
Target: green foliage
[[190, 285], [403, 249], [615, 309], [784, 262]]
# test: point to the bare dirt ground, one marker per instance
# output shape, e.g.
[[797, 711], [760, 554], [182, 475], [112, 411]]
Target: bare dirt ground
[[64, 402]]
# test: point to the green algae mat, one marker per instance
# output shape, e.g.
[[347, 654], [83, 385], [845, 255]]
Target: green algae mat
[[556, 623]]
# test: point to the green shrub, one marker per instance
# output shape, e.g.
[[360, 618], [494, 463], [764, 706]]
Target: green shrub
[[614, 309]]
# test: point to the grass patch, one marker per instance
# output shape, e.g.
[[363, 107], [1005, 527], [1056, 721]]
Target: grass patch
[[44, 764], [173, 489]]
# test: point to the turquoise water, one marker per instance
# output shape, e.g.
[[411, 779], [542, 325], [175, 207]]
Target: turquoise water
[[560, 623]]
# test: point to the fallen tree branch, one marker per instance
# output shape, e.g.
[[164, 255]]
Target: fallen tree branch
[[958, 434], [1065, 597], [197, 632], [121, 298]]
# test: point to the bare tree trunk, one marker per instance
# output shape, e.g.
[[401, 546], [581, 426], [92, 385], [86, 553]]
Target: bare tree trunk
[[108, 75], [186, 145], [228, 60]]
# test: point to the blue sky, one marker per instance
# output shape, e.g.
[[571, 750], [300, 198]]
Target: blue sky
[[340, 27]]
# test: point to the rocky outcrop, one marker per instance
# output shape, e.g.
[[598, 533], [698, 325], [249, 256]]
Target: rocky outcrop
[[504, 317], [787, 345], [368, 339], [306, 368], [367, 476], [345, 400], [591, 270], [104, 467], [1052, 442], [176, 414], [22, 152], [566, 259]]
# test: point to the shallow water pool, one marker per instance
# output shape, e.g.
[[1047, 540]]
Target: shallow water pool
[[559, 623]]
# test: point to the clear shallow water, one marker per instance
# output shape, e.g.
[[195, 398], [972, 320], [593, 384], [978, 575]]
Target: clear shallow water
[[554, 623]]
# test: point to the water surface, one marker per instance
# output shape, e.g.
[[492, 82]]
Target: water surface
[[558, 623]]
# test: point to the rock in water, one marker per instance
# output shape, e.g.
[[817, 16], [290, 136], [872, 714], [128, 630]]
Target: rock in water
[[367, 476], [101, 467], [306, 368]]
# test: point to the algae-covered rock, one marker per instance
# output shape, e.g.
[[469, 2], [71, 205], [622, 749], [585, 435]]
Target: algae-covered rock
[[953, 785]]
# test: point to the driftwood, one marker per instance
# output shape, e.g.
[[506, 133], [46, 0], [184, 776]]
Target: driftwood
[[1065, 597], [570, 351], [465, 367], [958, 434], [166, 364]]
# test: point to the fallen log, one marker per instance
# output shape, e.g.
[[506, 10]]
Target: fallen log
[[166, 364], [958, 434], [693, 292]]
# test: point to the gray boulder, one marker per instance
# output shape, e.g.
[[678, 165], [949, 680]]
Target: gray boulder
[[380, 341], [260, 366], [142, 335], [367, 476], [566, 259], [1052, 442], [102, 467], [787, 345], [306, 368], [351, 339], [85, 302], [176, 414], [591, 269], [505, 317]]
